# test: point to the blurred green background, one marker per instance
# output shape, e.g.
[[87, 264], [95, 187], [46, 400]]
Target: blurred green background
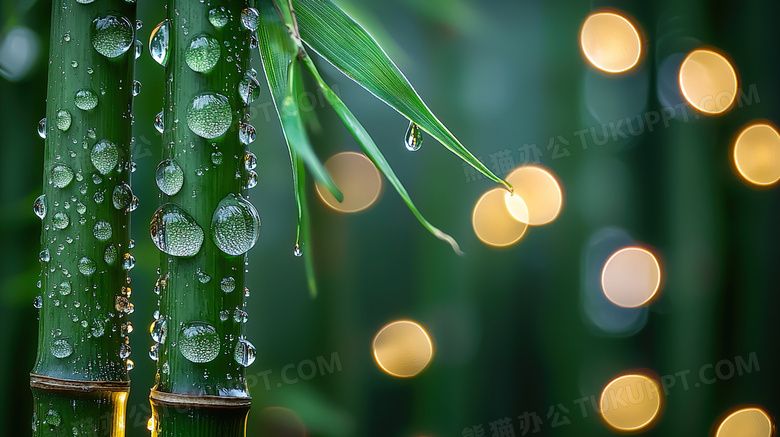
[[518, 331]]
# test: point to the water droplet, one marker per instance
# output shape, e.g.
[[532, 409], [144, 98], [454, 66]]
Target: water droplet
[[60, 349], [109, 256], [250, 19], [84, 2], [249, 88], [203, 53], [158, 122], [297, 251], [250, 161], [158, 42], [240, 316], [251, 179], [39, 206], [203, 277], [52, 417], [130, 365], [61, 175], [85, 99], [129, 262], [216, 157], [102, 230], [98, 328], [244, 352], [154, 352], [64, 120], [175, 232], [87, 266], [44, 256], [235, 225], [209, 115], [224, 315], [65, 288], [42, 128], [60, 220], [169, 177], [246, 133], [219, 17], [124, 351], [74, 63], [111, 35], [413, 138], [38, 302], [139, 48], [228, 284], [122, 196], [122, 304], [199, 342], [136, 88], [104, 156], [159, 330]]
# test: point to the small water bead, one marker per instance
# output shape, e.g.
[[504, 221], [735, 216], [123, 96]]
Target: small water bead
[[60, 220], [99, 196], [139, 48], [224, 315], [104, 156], [111, 35], [85, 99], [139, 24], [244, 353], [209, 115], [133, 204], [39, 206], [61, 349], [52, 417], [228, 284], [246, 133], [199, 342], [175, 232], [66, 37], [250, 19], [102, 230], [122, 196], [84, 2], [203, 53], [250, 161], [87, 266], [84, 323], [81, 208], [297, 250], [64, 120], [98, 328], [65, 288], [251, 179], [124, 351], [154, 352], [169, 177], [216, 158], [249, 88], [97, 179], [122, 304], [240, 316], [74, 63], [414, 137], [158, 122], [159, 41], [130, 364], [61, 175], [136, 88], [38, 302], [110, 254], [219, 16], [44, 256], [235, 225], [129, 262], [42, 128], [159, 330], [127, 328], [130, 245], [203, 277]]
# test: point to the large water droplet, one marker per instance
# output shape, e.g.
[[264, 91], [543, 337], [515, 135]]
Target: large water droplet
[[102, 230], [60, 220], [250, 19], [246, 133], [199, 342], [203, 53], [159, 41], [169, 177], [209, 115], [60, 349], [104, 156], [65, 288], [244, 352], [235, 225], [414, 138], [39, 206], [228, 284], [87, 266], [249, 88], [158, 122], [219, 16], [129, 262], [61, 175], [175, 232], [42, 128], [111, 35], [159, 330], [64, 120], [122, 196], [250, 161], [85, 99], [109, 256]]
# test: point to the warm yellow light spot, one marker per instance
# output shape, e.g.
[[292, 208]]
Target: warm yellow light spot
[[357, 178], [708, 81], [403, 349], [610, 42], [747, 422], [150, 424], [492, 221], [630, 402], [631, 277], [757, 154], [541, 193], [279, 421]]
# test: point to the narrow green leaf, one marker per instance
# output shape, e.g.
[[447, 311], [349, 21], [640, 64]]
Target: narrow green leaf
[[373, 152], [334, 35], [280, 62], [303, 240]]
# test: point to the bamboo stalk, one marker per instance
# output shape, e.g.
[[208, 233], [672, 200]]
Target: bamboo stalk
[[204, 224], [80, 379]]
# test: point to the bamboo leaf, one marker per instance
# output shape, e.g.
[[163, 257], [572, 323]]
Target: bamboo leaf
[[339, 39], [279, 54], [373, 152], [303, 239]]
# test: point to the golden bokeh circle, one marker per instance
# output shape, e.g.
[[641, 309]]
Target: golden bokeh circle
[[757, 154], [708, 81], [493, 222], [540, 191], [357, 178], [610, 42], [631, 277], [746, 422], [630, 402], [403, 349], [280, 421]]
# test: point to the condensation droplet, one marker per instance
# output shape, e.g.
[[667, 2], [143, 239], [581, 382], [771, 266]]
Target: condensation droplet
[[244, 353], [199, 342], [87, 266], [169, 177], [61, 175], [250, 19], [203, 53], [413, 138], [104, 156], [61, 349], [219, 16], [175, 232], [39, 206], [249, 88], [85, 99], [111, 35], [159, 41], [158, 122], [235, 225], [209, 115], [64, 120], [246, 133], [102, 230], [42, 128]]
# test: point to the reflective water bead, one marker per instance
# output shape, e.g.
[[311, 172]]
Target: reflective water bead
[[85, 99], [104, 156], [235, 225], [39, 206], [175, 232], [111, 35], [203, 53], [159, 41], [209, 115], [199, 342], [64, 120], [169, 176]]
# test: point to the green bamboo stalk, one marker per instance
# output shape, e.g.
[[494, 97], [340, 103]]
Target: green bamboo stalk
[[80, 380], [204, 225]]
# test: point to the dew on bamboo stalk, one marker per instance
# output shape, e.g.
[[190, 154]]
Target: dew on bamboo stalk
[[61, 349], [169, 176], [219, 16], [175, 232], [209, 115], [228, 284], [85, 99], [202, 276], [126, 328], [246, 133], [154, 352], [239, 315], [244, 352], [159, 330], [130, 365], [224, 315], [65, 288], [250, 161], [199, 342], [414, 137], [251, 179], [136, 88], [104, 156], [124, 351], [42, 128], [52, 417], [87, 266], [44, 256], [297, 250], [102, 230], [249, 87], [64, 120], [250, 19], [235, 225], [111, 35], [61, 175], [122, 197], [98, 328], [110, 254], [203, 53], [39, 206], [129, 262], [60, 220], [158, 122], [38, 302], [159, 41], [139, 48]]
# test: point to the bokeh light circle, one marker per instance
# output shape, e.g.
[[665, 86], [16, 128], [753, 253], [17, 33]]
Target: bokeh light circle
[[631, 277], [708, 81], [357, 178], [630, 402], [757, 154], [540, 191], [493, 222], [746, 422], [610, 42], [403, 349]]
